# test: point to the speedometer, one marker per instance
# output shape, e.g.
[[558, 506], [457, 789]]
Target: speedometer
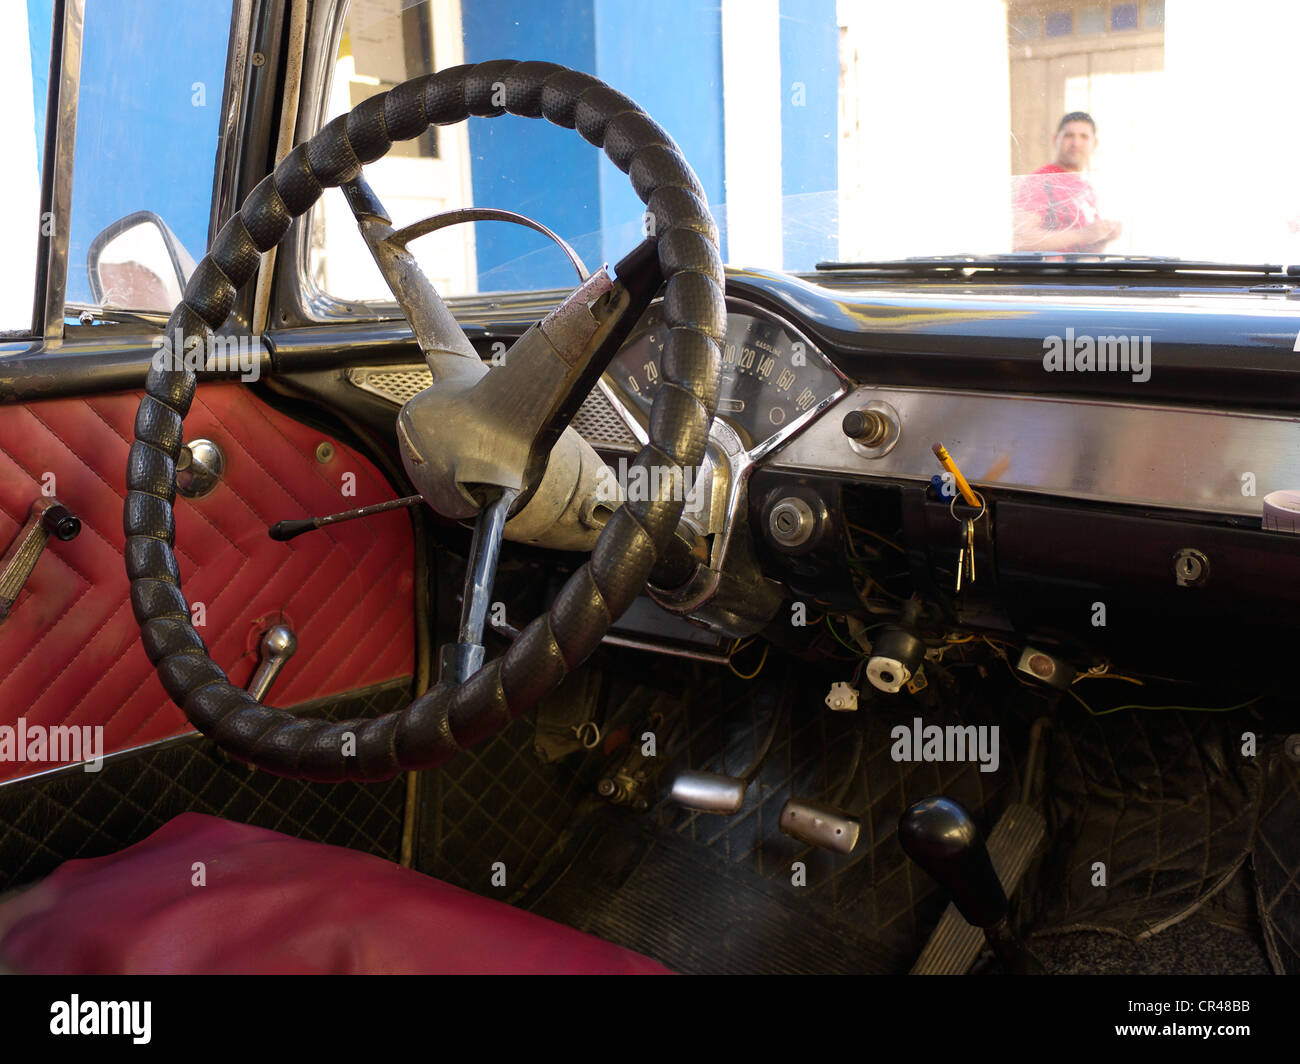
[[773, 382]]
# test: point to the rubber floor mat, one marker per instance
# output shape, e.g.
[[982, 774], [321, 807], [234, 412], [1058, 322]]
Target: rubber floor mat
[[665, 897], [1164, 800]]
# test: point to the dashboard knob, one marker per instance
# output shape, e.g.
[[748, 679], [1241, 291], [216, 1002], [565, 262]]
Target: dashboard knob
[[868, 427]]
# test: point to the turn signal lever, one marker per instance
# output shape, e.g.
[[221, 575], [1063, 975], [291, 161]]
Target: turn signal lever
[[940, 836]]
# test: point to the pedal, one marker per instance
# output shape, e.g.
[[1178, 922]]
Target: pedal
[[709, 792], [955, 944], [818, 824]]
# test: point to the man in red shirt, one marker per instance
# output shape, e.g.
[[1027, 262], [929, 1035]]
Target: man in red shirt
[[1055, 206]]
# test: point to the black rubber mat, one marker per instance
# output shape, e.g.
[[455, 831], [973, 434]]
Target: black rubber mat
[[1164, 800], [1193, 947], [51, 819], [1275, 858], [697, 913]]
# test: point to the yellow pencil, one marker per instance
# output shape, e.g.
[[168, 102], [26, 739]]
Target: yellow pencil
[[945, 460]]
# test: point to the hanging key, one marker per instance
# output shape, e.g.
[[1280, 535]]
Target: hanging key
[[966, 555], [961, 555]]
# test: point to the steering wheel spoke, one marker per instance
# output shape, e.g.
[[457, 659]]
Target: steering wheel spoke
[[446, 348], [460, 660]]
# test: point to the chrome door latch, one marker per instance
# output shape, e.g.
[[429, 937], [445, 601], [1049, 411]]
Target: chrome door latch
[[46, 518]]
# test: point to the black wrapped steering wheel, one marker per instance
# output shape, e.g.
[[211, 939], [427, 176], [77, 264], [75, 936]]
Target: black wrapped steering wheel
[[447, 718]]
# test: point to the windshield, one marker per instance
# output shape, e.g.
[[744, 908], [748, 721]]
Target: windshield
[[850, 131], [822, 131]]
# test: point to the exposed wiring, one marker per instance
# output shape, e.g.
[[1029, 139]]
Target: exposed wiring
[[1102, 672], [757, 669], [857, 650], [1109, 676], [876, 535], [1190, 709]]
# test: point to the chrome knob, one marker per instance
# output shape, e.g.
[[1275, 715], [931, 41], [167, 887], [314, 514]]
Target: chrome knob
[[278, 646]]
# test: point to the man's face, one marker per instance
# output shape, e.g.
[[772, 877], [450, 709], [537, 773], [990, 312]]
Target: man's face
[[1074, 145]]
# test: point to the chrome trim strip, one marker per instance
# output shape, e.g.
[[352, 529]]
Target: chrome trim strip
[[65, 149], [299, 709], [294, 291], [283, 145], [80, 766], [1179, 458], [225, 174]]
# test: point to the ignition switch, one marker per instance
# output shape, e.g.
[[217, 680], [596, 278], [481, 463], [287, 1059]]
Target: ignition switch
[[897, 653]]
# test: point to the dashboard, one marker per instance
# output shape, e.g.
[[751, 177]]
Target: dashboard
[[1098, 486]]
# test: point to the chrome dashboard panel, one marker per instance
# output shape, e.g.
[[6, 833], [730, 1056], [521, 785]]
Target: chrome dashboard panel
[[1175, 458]]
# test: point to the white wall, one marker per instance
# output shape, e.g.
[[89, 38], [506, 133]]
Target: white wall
[[925, 165], [751, 122], [1224, 179], [20, 179]]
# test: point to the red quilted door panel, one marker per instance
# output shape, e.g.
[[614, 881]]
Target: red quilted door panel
[[70, 650]]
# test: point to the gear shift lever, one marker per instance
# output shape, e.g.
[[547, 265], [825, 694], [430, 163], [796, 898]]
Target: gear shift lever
[[940, 836]]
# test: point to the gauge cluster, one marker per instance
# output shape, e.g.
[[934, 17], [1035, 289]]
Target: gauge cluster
[[774, 381]]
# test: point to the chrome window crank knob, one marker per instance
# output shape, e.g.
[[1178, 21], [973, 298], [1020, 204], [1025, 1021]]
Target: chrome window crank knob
[[46, 517], [278, 646]]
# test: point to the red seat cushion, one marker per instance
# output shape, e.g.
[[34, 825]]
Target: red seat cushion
[[276, 904]]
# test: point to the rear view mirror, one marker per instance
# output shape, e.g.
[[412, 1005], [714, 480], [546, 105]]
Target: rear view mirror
[[138, 263]]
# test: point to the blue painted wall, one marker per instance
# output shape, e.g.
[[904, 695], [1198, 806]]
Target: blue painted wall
[[527, 164], [670, 62], [554, 175], [810, 87]]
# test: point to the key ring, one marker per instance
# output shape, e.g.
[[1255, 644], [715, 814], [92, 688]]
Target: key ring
[[952, 509]]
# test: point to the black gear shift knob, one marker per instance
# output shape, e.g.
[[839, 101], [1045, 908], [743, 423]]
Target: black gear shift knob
[[939, 835]]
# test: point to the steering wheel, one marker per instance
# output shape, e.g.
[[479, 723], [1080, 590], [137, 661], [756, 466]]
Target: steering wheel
[[449, 717]]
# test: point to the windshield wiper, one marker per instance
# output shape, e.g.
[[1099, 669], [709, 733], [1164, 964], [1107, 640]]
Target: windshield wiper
[[88, 314], [1068, 263]]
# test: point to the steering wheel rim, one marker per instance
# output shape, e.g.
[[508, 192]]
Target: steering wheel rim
[[446, 719]]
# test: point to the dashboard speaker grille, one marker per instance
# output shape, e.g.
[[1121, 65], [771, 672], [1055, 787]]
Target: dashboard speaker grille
[[596, 421]]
